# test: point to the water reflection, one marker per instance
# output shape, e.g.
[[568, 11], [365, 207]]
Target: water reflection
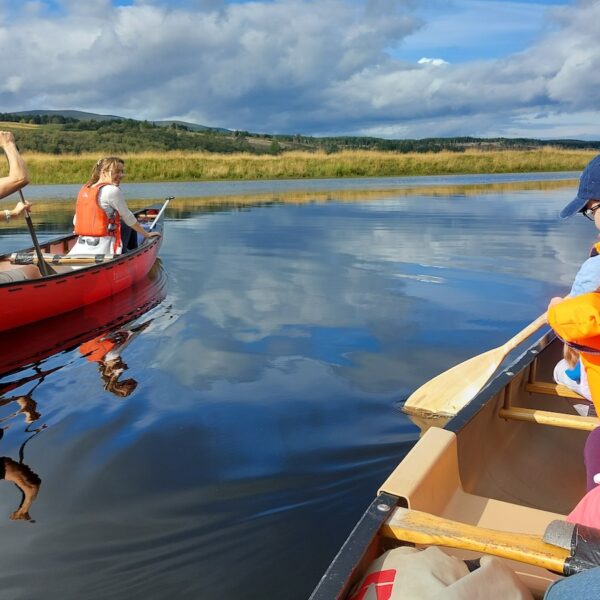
[[106, 350], [268, 382], [101, 332], [18, 472]]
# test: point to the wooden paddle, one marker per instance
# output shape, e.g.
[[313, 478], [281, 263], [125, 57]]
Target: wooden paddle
[[423, 528], [45, 269], [161, 211], [448, 392]]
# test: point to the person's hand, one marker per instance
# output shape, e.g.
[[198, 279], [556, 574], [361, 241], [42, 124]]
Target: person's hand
[[152, 234], [20, 207], [6, 138], [554, 301]]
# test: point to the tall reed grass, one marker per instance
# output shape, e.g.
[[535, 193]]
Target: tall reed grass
[[185, 166]]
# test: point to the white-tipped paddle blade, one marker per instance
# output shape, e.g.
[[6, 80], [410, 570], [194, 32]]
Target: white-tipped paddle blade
[[451, 390], [446, 394]]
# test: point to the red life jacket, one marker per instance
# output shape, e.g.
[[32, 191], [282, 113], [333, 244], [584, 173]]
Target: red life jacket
[[90, 218]]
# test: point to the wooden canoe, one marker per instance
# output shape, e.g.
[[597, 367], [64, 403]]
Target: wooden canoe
[[485, 482], [26, 296]]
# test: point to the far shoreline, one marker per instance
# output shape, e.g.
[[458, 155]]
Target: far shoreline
[[192, 195], [155, 167]]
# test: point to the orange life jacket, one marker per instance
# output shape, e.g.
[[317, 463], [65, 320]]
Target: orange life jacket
[[98, 348], [595, 249], [90, 218], [577, 322]]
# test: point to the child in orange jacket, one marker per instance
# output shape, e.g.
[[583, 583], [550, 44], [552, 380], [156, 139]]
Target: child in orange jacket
[[571, 371]]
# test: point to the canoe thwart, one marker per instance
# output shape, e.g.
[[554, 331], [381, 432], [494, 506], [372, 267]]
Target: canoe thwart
[[546, 417], [553, 389], [419, 527], [27, 258]]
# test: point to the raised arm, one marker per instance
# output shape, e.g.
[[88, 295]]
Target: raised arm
[[17, 169]]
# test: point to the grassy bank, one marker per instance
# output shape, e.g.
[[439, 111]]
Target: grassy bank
[[183, 166]]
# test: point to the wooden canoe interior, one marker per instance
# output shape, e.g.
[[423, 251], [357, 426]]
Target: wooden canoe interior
[[500, 472]]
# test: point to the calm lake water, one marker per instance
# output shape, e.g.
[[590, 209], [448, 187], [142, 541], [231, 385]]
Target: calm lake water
[[264, 362]]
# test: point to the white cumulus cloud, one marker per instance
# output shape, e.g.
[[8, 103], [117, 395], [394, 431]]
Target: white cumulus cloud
[[436, 62], [296, 66]]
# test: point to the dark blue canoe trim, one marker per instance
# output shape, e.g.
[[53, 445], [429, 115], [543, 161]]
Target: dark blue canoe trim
[[335, 582]]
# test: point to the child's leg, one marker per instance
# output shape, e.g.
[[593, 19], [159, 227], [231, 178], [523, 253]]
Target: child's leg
[[581, 387]]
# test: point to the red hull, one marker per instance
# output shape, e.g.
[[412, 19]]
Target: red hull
[[31, 300], [33, 343]]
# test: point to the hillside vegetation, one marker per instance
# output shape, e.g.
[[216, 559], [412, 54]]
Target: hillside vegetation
[[63, 149], [57, 134]]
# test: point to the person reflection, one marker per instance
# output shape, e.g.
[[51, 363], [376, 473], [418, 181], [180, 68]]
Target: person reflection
[[19, 473], [26, 480], [106, 350]]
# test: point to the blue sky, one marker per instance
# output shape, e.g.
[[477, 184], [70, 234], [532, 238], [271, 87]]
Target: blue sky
[[389, 68]]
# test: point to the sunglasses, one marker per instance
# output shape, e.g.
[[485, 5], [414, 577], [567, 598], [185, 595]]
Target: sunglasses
[[589, 212]]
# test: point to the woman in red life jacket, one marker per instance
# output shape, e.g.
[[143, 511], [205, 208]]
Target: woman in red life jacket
[[101, 208], [17, 177]]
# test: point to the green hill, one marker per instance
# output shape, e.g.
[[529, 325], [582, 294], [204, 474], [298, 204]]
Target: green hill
[[76, 132], [79, 115]]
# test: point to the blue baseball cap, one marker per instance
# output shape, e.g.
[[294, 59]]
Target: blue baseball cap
[[589, 189]]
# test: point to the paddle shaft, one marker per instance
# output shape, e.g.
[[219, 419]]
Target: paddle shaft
[[44, 268], [524, 334], [160, 212], [423, 528]]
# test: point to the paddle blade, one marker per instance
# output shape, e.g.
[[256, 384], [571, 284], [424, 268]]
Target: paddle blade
[[446, 394]]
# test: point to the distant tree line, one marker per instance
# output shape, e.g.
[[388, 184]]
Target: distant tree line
[[58, 134]]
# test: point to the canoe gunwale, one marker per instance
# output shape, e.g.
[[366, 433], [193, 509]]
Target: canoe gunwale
[[340, 575], [499, 381]]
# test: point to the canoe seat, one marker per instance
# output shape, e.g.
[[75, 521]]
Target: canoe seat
[[428, 480]]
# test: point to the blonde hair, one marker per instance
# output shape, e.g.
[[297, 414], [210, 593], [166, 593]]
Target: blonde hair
[[104, 164]]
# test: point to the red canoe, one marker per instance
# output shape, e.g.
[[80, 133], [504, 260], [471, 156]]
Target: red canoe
[[26, 296], [30, 345]]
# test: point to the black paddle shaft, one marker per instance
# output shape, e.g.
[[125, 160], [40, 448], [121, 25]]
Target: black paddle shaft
[[45, 269]]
